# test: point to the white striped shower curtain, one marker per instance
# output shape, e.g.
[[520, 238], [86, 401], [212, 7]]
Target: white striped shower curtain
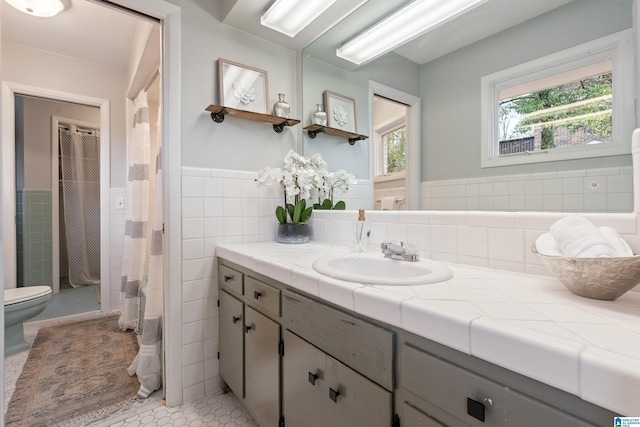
[[142, 253]]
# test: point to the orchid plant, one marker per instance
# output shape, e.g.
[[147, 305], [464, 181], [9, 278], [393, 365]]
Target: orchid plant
[[299, 177], [330, 184]]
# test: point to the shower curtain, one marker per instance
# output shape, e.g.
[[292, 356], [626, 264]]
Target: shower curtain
[[80, 166], [142, 256]]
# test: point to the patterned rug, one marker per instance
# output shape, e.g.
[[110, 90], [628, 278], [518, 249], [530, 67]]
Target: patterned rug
[[75, 374]]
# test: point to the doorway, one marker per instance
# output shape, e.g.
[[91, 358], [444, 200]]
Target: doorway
[[396, 115], [41, 242], [389, 145], [168, 15]]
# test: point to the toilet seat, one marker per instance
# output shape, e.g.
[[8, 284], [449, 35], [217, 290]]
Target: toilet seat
[[17, 295]]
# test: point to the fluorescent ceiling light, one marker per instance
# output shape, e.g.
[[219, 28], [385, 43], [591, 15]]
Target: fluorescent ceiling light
[[41, 8], [402, 26], [291, 16]]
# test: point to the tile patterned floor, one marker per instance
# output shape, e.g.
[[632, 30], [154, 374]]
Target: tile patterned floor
[[213, 411], [220, 410]]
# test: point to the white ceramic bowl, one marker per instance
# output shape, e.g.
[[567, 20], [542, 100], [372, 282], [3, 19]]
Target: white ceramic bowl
[[597, 278]]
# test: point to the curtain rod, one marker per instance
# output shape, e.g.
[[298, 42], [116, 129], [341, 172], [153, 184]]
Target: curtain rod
[[68, 128], [153, 79]]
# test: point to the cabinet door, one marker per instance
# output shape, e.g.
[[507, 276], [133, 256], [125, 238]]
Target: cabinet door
[[303, 383], [262, 368], [353, 400], [415, 418], [231, 320]]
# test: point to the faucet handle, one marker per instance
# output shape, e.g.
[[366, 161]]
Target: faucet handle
[[410, 248]]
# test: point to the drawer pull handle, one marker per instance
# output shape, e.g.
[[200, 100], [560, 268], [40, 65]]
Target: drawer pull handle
[[235, 319], [227, 278], [247, 328], [257, 294], [312, 378], [333, 394], [476, 409]]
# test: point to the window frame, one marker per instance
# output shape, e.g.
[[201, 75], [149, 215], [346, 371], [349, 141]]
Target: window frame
[[380, 132], [618, 47]]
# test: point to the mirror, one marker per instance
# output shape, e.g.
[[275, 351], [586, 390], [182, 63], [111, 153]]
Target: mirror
[[444, 69]]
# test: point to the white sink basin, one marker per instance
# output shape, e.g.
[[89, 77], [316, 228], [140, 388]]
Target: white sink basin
[[375, 269]]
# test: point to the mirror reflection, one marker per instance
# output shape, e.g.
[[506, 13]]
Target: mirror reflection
[[440, 74]]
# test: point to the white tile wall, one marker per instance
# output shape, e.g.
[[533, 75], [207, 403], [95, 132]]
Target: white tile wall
[[118, 217], [585, 190], [222, 206]]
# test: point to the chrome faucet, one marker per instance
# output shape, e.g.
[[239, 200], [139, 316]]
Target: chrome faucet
[[400, 250]]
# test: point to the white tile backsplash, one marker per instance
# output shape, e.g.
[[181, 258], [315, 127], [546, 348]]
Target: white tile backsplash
[[565, 191], [222, 206]]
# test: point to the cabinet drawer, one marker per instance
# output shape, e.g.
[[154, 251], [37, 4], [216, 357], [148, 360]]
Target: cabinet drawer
[[365, 347], [459, 392], [259, 293], [230, 278]]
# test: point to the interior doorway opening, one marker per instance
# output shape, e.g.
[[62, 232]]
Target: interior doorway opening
[[390, 153]]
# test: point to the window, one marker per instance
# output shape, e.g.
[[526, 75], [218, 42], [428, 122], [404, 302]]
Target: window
[[393, 150], [390, 130], [569, 105]]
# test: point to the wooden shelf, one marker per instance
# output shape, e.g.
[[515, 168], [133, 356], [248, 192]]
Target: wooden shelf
[[219, 111], [314, 130]]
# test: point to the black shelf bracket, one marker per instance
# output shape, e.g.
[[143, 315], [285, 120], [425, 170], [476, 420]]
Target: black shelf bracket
[[280, 126], [352, 141], [313, 133], [218, 117]]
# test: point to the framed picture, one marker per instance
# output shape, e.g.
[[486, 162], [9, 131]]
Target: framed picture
[[242, 87], [341, 111]]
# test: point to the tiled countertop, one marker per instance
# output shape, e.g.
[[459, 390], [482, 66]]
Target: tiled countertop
[[528, 324]]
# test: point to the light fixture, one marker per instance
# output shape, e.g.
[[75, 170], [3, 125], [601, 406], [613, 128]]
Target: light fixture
[[291, 16], [41, 8], [402, 26]]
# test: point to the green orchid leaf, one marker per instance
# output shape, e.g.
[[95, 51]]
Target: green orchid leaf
[[297, 211], [306, 214], [340, 206], [290, 210], [281, 215]]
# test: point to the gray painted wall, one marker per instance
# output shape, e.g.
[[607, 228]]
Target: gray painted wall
[[451, 87], [33, 168], [236, 143]]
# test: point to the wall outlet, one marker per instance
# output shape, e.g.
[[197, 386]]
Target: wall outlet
[[120, 203]]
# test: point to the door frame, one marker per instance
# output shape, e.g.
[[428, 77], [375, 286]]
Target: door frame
[[55, 194], [412, 171], [9, 92], [170, 15]]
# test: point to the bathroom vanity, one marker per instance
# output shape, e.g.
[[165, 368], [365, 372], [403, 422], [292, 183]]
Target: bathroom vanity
[[296, 358]]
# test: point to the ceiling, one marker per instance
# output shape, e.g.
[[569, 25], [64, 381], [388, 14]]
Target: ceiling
[[346, 18], [107, 32]]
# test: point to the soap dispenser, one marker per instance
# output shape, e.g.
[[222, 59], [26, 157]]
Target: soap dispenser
[[361, 233]]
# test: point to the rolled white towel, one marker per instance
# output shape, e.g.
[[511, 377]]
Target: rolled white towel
[[618, 243], [577, 237], [546, 245]]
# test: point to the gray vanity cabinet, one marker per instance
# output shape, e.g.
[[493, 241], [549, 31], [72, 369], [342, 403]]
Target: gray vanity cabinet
[[231, 324], [297, 361], [249, 345], [320, 391], [454, 396], [262, 367], [413, 417]]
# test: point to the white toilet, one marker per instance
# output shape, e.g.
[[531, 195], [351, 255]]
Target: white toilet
[[21, 304]]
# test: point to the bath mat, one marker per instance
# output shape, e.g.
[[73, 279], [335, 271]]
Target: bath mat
[[75, 373]]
